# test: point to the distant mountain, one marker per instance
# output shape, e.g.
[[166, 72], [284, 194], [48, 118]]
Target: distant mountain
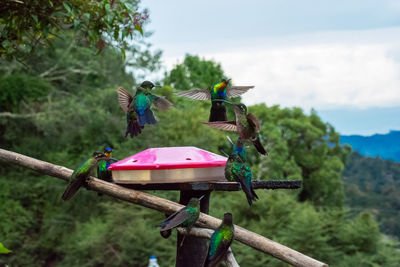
[[386, 146]]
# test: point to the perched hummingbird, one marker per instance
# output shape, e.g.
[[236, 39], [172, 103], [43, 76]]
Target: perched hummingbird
[[220, 241], [185, 217], [78, 177], [218, 93], [236, 170], [138, 107], [102, 169], [247, 126]]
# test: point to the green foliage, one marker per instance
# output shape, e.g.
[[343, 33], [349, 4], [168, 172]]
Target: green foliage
[[22, 89], [373, 184], [25, 25], [194, 72]]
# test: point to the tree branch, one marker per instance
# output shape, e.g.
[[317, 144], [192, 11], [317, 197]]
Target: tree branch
[[17, 116], [242, 235]]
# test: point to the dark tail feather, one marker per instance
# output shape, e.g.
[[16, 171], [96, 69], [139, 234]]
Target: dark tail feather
[[250, 194], [218, 111], [72, 189], [166, 233], [259, 146], [133, 128], [147, 118]]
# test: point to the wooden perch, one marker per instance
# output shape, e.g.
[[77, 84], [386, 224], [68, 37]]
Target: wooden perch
[[242, 235], [206, 233]]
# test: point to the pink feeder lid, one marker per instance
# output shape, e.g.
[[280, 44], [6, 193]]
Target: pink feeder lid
[[170, 158]]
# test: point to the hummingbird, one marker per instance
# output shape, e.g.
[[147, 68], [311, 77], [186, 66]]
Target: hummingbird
[[220, 241], [138, 106], [247, 126], [79, 176], [237, 170], [102, 169], [218, 93], [185, 217]]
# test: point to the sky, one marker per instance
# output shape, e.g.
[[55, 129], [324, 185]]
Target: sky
[[341, 58]]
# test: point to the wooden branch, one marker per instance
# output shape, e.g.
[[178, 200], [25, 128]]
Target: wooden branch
[[17, 116], [242, 235], [206, 233]]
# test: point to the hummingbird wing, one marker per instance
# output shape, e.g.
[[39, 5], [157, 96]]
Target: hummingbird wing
[[73, 187], [124, 99], [174, 220], [242, 174], [254, 122], [222, 125], [235, 91], [161, 103], [198, 94]]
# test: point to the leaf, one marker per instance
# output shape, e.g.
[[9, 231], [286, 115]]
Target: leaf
[[67, 7], [123, 53], [4, 250], [139, 28], [76, 23]]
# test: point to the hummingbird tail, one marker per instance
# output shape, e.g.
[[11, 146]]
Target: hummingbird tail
[[147, 118], [133, 128], [257, 144], [166, 233], [218, 111], [72, 189]]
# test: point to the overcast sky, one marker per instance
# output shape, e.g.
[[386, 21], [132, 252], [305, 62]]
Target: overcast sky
[[341, 58]]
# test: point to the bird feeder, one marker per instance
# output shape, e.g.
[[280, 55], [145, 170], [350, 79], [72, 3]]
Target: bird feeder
[[169, 165], [194, 172]]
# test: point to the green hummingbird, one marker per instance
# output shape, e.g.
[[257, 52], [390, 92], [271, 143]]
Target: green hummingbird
[[246, 125], [218, 93], [137, 107], [237, 170], [220, 242], [79, 176], [185, 217], [102, 169]]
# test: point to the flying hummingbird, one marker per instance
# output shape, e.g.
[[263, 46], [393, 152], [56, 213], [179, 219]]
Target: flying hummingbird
[[102, 169], [218, 93], [79, 176], [138, 106], [185, 217], [237, 170], [247, 126], [220, 242]]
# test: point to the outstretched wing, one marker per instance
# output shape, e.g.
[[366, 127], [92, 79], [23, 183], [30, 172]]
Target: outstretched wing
[[235, 91], [161, 103], [198, 94], [174, 220], [223, 125], [254, 122], [124, 98]]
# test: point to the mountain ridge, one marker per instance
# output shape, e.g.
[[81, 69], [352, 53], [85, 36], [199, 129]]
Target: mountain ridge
[[385, 146]]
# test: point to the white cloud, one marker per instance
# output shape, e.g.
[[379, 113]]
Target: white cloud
[[356, 69]]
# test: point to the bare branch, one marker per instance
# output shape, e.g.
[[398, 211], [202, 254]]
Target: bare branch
[[242, 235], [18, 116]]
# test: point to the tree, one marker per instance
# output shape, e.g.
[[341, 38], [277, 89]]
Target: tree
[[27, 25]]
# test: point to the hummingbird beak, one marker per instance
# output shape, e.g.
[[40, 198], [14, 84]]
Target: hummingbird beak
[[228, 80], [201, 197], [230, 140]]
